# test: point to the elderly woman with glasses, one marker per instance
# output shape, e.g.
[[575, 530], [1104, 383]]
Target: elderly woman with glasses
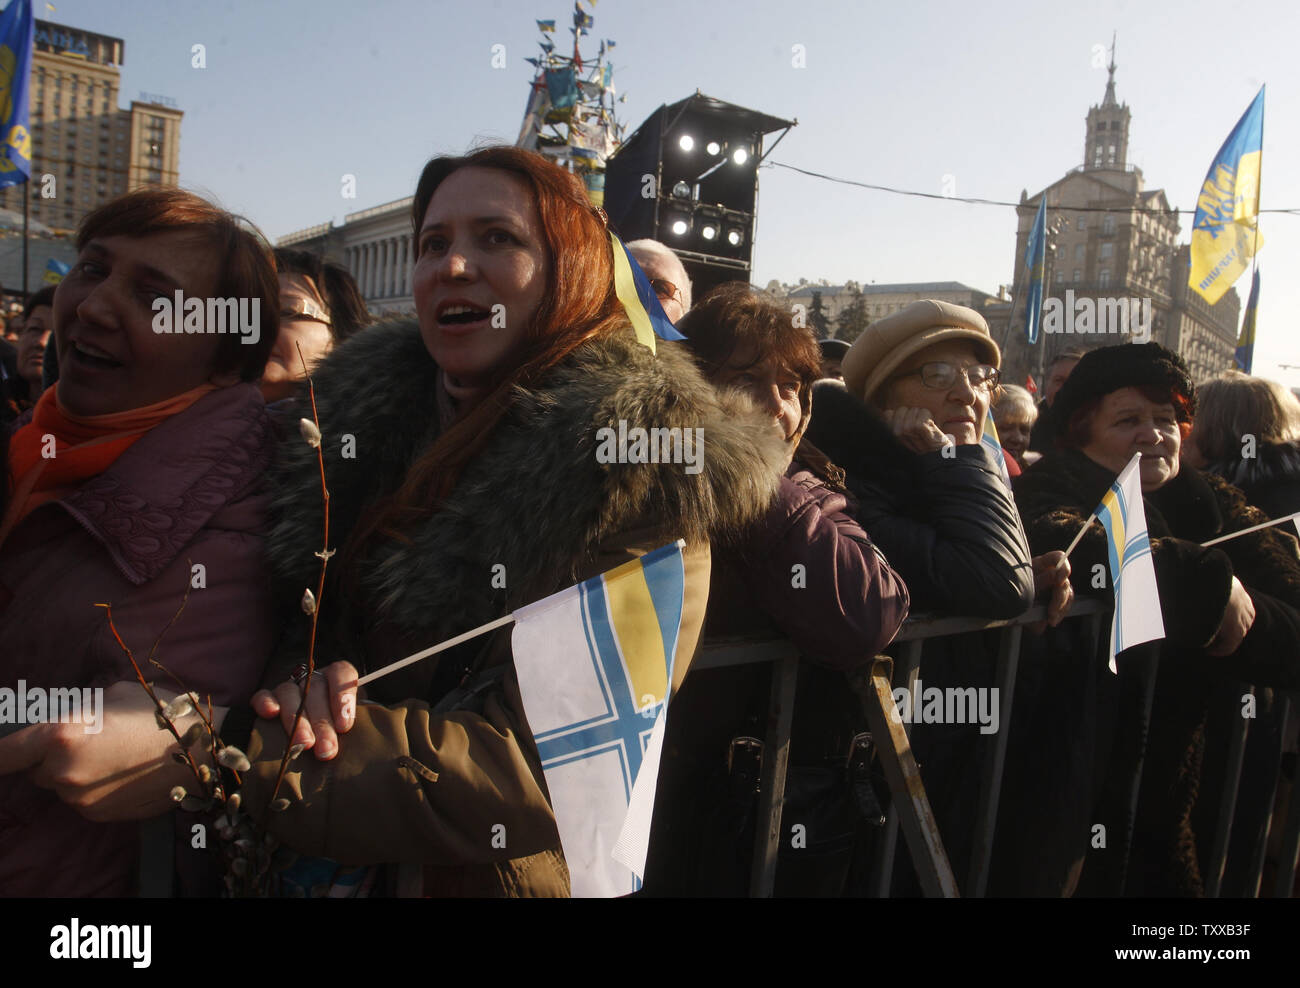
[[906, 429]]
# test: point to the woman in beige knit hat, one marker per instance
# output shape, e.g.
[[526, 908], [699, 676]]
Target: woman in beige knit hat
[[930, 369], [906, 430]]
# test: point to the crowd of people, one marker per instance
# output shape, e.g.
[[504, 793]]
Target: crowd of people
[[167, 474]]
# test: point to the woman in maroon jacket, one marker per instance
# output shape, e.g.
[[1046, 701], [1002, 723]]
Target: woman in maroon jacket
[[808, 572], [133, 481]]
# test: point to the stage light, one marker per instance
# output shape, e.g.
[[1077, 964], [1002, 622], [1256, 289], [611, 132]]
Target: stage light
[[687, 142], [709, 231], [740, 155], [714, 148], [734, 237], [679, 227], [682, 191]]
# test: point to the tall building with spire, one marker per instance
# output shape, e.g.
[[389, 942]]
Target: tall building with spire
[[1113, 252]]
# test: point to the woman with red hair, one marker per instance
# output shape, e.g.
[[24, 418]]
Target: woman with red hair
[[460, 451]]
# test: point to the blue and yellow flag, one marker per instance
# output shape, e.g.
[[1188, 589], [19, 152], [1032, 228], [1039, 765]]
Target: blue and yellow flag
[[1132, 570], [17, 31], [993, 443], [1035, 265], [547, 26], [1245, 355], [1225, 233], [595, 668], [55, 271], [639, 299]]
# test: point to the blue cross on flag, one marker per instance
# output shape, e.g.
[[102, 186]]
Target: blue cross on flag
[[595, 667]]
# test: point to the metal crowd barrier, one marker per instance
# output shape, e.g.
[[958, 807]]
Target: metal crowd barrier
[[909, 811]]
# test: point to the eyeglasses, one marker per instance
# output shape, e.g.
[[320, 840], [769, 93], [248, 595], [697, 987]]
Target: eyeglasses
[[939, 375], [665, 289]]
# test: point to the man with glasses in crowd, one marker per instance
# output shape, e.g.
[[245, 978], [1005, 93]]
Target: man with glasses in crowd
[[667, 276]]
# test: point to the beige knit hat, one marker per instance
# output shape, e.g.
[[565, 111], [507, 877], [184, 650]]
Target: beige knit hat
[[886, 345]]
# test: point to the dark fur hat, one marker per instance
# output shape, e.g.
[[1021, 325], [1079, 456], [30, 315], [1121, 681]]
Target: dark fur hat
[[1128, 365]]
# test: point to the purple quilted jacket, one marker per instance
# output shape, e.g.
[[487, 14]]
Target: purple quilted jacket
[[181, 508]]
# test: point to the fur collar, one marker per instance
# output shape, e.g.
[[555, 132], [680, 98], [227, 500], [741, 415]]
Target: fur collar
[[1272, 463], [535, 501]]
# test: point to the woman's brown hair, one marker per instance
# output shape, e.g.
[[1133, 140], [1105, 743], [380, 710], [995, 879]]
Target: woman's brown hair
[[738, 318], [1235, 405], [577, 304], [240, 254]]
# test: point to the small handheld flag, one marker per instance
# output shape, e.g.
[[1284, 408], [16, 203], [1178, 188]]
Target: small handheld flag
[[17, 34], [639, 299], [1132, 570], [1035, 266], [1225, 233], [595, 667], [991, 441]]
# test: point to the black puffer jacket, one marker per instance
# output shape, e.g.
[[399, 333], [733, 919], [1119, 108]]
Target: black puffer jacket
[[948, 526], [1184, 754]]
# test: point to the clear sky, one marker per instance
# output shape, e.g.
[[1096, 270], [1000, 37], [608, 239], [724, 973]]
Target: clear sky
[[297, 93]]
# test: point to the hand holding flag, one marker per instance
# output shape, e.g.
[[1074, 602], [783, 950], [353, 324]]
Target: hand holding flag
[[1137, 617]]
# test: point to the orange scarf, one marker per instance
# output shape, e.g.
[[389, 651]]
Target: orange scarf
[[82, 446]]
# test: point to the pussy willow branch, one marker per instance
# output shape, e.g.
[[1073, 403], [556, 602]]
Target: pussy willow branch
[[158, 704], [206, 719], [324, 556]]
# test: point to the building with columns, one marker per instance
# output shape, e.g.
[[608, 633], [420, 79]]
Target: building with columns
[[1111, 238], [377, 247]]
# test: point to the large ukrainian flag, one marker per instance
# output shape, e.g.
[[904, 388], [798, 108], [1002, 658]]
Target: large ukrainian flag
[[1132, 570], [1225, 233], [17, 33], [595, 667]]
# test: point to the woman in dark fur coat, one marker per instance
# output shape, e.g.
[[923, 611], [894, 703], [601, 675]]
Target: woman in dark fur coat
[[1231, 614], [476, 454]]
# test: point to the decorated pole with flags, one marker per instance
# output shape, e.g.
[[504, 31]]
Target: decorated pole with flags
[[595, 668], [1137, 616], [1225, 232]]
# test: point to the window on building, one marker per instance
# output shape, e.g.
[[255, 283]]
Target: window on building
[[1078, 252], [1106, 251], [1075, 279], [1096, 158], [1110, 155], [1103, 278], [1108, 223], [1082, 224], [1060, 277]]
